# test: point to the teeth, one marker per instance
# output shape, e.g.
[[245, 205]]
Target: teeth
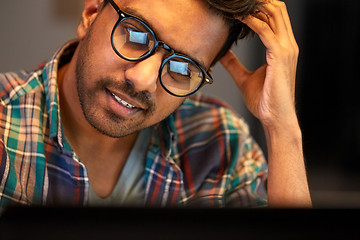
[[122, 102]]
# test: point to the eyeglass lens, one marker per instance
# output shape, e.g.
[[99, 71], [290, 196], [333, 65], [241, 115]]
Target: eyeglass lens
[[133, 40], [181, 76]]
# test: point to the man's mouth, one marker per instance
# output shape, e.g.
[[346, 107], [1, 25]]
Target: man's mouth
[[122, 102], [124, 105]]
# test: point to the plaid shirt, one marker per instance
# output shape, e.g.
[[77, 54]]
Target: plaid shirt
[[201, 155]]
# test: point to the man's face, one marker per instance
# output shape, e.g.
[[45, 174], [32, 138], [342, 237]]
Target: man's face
[[119, 97]]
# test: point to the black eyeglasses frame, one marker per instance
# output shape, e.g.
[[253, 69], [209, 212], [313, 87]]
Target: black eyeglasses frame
[[206, 77]]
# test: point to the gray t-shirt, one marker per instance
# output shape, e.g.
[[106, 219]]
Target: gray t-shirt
[[130, 188]]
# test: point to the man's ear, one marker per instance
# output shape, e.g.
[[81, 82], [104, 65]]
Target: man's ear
[[91, 10]]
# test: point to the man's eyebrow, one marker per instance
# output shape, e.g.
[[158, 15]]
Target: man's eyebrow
[[137, 14]]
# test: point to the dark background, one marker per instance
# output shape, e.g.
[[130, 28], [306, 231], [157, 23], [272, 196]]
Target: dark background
[[328, 99], [327, 32]]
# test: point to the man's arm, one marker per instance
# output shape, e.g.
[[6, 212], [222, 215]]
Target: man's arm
[[269, 93]]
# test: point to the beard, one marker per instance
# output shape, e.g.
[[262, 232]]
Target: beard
[[104, 120]]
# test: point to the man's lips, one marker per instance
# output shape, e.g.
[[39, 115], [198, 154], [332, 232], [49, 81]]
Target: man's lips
[[125, 101]]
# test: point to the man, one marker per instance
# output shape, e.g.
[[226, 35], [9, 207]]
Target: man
[[112, 118]]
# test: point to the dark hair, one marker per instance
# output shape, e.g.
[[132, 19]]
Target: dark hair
[[229, 9]]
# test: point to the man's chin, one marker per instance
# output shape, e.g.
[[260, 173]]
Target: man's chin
[[114, 128]]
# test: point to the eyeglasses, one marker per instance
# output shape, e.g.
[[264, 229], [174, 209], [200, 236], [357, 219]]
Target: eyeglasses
[[133, 40]]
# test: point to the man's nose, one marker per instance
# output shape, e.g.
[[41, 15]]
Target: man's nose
[[144, 74]]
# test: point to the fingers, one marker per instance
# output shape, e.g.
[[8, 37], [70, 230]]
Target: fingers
[[262, 29], [275, 27], [288, 24], [276, 34], [278, 11], [275, 18], [237, 71]]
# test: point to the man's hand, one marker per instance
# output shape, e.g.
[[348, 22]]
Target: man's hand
[[269, 93]]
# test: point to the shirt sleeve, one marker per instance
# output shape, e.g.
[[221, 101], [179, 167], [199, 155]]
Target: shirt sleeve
[[222, 165], [248, 171]]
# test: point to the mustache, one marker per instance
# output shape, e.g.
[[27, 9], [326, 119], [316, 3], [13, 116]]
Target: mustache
[[128, 88]]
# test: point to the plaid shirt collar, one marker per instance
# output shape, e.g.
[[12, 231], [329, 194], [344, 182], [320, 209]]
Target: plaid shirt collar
[[49, 76]]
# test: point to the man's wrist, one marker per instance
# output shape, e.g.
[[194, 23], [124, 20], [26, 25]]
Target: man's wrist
[[287, 127]]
